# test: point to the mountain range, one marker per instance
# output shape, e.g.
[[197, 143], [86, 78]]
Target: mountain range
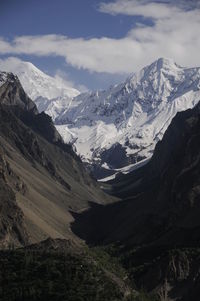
[[135, 237], [112, 130]]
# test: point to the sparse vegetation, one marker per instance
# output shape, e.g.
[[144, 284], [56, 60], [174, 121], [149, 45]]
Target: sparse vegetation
[[27, 275], [37, 275]]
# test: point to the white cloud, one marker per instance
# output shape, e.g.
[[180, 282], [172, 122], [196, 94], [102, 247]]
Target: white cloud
[[4, 46], [175, 33], [10, 64], [64, 78], [150, 9]]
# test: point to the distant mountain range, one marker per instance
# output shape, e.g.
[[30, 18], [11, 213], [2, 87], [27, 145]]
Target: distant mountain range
[[118, 127]]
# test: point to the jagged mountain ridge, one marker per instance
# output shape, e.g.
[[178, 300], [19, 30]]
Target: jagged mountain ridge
[[9, 84], [42, 179]]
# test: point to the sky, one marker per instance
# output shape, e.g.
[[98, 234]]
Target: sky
[[92, 44]]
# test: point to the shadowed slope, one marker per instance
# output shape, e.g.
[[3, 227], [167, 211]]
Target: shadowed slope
[[161, 200]]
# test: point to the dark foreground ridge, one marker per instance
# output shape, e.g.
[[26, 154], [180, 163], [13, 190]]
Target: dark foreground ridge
[[155, 230]]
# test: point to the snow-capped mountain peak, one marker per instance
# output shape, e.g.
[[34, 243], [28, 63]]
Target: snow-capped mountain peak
[[51, 94], [164, 63], [121, 125], [38, 84]]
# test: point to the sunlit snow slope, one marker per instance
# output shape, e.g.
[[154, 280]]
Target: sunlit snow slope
[[51, 94], [121, 125]]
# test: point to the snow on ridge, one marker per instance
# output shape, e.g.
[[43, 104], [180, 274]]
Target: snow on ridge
[[135, 113], [45, 90], [7, 76]]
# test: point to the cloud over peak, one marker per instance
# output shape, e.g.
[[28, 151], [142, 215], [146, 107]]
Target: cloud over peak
[[174, 32]]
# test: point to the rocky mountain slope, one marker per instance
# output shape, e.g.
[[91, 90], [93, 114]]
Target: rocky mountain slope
[[43, 184], [42, 179]]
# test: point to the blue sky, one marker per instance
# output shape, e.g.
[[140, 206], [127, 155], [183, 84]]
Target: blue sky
[[97, 43], [74, 18]]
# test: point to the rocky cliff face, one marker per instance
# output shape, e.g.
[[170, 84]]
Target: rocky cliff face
[[12, 93]]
